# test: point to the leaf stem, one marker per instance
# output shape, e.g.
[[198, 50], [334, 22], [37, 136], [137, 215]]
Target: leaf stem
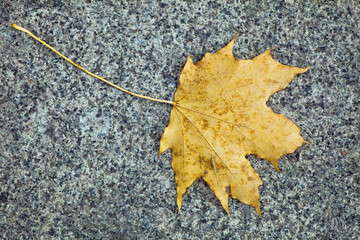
[[88, 72]]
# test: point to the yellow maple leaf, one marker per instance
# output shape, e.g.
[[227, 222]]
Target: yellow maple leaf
[[220, 116]]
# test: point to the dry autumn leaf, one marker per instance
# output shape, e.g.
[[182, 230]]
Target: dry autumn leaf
[[219, 116]]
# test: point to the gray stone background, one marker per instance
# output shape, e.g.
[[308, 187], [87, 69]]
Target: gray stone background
[[79, 159]]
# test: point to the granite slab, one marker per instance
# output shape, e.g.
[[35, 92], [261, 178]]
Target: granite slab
[[79, 159]]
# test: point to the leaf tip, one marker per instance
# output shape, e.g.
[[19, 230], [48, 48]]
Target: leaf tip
[[230, 45], [179, 201], [162, 147], [268, 52], [189, 60], [274, 163], [236, 35], [256, 205], [258, 211], [305, 69], [227, 210]]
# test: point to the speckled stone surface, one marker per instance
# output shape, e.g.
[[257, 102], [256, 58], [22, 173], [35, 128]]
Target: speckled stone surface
[[79, 159]]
